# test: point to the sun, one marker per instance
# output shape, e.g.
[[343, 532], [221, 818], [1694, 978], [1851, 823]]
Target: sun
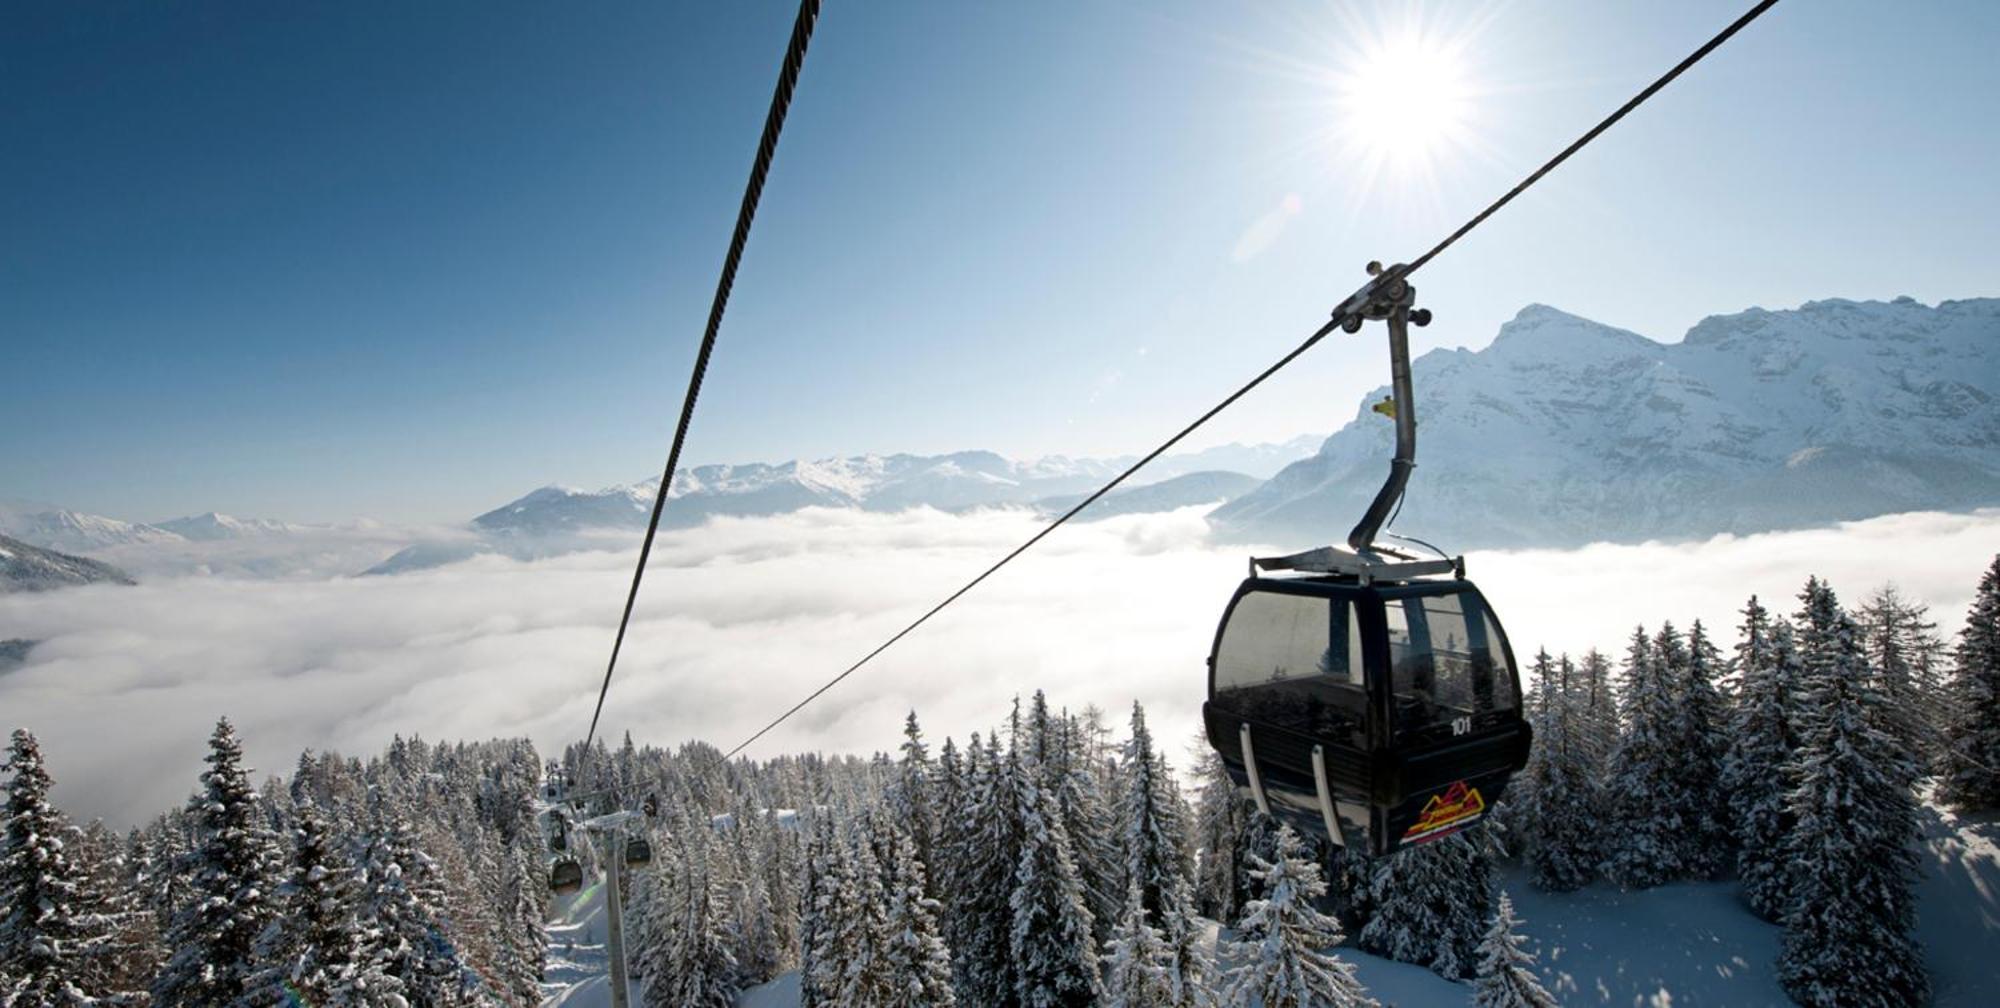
[[1403, 100]]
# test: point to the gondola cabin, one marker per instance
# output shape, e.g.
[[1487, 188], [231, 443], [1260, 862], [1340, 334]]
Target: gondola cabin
[[565, 876], [1377, 713], [638, 851]]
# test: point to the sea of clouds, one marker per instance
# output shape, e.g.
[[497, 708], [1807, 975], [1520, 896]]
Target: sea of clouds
[[741, 617]]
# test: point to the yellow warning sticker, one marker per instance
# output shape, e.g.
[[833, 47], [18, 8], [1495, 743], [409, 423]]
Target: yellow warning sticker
[[1458, 807]]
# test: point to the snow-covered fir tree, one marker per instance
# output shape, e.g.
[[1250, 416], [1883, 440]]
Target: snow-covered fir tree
[[1518, 813], [819, 956], [700, 969], [1646, 809], [524, 943], [1971, 776], [1852, 848], [1095, 827], [1597, 728], [321, 952], [1430, 905], [1757, 767], [986, 854], [1506, 970], [405, 894], [1563, 789], [916, 962], [1136, 973], [125, 957], [1156, 845], [865, 979], [1705, 845], [235, 860], [913, 798], [1053, 952], [47, 934], [1221, 817], [1906, 662], [1282, 942]]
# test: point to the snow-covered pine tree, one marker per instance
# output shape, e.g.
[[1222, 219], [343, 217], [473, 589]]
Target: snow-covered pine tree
[[320, 952], [1565, 791], [1431, 905], [1905, 657], [1598, 714], [946, 798], [1053, 953], [1971, 777], [1155, 839], [1156, 847], [1506, 970], [122, 965], [46, 932], [912, 796], [917, 964], [1136, 975], [986, 856], [404, 897], [819, 956], [1094, 826], [866, 981], [1705, 843], [1220, 817], [1758, 764], [235, 859], [1853, 846], [702, 971], [1282, 940], [1644, 793], [1518, 815], [524, 942]]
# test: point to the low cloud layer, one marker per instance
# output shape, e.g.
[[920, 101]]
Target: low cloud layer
[[741, 617]]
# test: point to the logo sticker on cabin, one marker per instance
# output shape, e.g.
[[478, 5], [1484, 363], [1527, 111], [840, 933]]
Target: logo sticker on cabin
[[1458, 807]]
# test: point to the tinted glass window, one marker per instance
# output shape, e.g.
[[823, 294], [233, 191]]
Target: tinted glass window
[[1294, 662], [1449, 668]]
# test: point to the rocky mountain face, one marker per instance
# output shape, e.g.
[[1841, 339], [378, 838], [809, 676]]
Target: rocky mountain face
[[1565, 431], [31, 568]]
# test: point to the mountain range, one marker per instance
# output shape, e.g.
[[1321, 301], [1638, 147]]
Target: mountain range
[[1565, 431], [1561, 431]]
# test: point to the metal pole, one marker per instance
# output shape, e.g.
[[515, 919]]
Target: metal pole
[[1405, 402], [614, 866]]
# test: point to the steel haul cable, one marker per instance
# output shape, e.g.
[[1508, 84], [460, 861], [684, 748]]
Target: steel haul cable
[[767, 146]]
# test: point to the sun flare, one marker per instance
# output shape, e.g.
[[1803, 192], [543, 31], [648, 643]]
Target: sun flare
[[1404, 100]]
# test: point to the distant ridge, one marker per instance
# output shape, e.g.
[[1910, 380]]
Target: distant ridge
[[32, 568]]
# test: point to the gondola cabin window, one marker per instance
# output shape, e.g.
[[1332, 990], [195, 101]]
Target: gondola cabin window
[[1295, 662], [1450, 673]]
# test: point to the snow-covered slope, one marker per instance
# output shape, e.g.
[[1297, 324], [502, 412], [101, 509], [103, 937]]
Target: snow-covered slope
[[31, 568], [76, 532], [1565, 431]]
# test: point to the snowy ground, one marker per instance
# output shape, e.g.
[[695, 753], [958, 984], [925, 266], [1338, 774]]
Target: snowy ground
[[1679, 946], [575, 976]]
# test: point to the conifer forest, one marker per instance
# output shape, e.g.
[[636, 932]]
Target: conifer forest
[[1057, 858]]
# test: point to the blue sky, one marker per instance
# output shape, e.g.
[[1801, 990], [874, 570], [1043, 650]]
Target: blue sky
[[407, 261]]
